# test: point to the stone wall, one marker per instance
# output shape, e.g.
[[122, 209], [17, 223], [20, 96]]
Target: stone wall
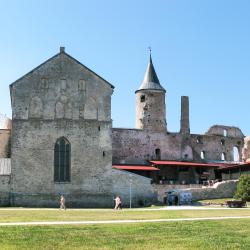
[[142, 192], [161, 190], [139, 146], [4, 190], [224, 189], [5, 143]]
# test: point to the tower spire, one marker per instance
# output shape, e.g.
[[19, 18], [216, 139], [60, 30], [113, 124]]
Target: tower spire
[[150, 80]]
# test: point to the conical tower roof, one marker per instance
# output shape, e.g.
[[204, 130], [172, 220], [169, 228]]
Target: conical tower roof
[[150, 81]]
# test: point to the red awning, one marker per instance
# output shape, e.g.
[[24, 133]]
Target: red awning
[[188, 164], [135, 167], [240, 164]]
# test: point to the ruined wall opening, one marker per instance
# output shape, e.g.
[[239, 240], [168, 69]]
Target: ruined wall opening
[[202, 155], [236, 155], [224, 132], [157, 154], [223, 156]]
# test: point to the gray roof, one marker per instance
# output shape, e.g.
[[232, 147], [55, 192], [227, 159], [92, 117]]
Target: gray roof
[[150, 81]]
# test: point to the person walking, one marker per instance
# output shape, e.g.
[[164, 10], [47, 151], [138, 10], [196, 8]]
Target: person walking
[[62, 203], [118, 203]]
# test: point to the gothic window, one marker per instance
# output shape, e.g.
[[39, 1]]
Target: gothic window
[[62, 160]]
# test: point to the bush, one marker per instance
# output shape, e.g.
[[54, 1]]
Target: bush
[[243, 188]]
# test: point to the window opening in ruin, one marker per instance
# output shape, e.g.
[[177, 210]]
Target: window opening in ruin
[[198, 140], [225, 132], [236, 155], [222, 142], [223, 156], [202, 155], [62, 160], [103, 153], [99, 128], [157, 154], [143, 98], [239, 142]]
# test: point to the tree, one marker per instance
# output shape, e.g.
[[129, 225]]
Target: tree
[[243, 188]]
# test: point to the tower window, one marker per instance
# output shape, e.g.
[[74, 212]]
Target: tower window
[[62, 160], [222, 142], [142, 98], [103, 154]]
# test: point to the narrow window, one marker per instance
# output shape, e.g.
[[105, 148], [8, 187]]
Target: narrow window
[[222, 142], [142, 98], [157, 154], [198, 140], [224, 132], [99, 128], [202, 155], [62, 160], [223, 156], [103, 153], [236, 155]]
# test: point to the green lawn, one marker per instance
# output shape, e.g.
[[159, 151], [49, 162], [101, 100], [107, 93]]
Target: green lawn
[[221, 234], [228, 234], [27, 215]]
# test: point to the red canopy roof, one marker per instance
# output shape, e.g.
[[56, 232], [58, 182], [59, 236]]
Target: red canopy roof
[[240, 164], [188, 164], [135, 167]]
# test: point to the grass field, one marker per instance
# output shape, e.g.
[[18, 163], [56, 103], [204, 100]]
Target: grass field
[[227, 234], [28, 215]]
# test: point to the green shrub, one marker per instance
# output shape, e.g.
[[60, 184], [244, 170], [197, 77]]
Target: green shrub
[[243, 188]]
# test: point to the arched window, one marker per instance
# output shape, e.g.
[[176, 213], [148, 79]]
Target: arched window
[[223, 156], [62, 160], [236, 155]]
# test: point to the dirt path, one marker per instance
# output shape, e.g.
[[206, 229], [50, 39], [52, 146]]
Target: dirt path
[[38, 223]]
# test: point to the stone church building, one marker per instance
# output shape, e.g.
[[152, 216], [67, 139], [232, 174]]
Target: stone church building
[[61, 141]]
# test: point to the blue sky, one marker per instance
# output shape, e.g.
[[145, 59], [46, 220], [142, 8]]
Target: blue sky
[[200, 49]]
